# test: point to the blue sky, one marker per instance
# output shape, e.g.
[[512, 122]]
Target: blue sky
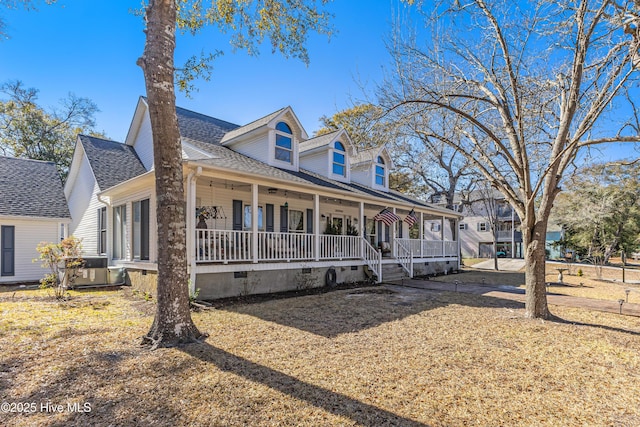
[[90, 48]]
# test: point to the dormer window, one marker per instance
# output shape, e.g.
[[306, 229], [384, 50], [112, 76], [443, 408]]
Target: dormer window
[[284, 142], [380, 173], [339, 159]]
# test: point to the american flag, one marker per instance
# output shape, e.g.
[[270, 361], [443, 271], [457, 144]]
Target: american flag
[[411, 218], [386, 216]]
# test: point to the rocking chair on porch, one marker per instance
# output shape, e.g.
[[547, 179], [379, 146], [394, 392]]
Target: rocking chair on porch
[[384, 248]]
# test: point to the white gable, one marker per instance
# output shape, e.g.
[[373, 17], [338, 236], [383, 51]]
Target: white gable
[[259, 139], [320, 155], [140, 136]]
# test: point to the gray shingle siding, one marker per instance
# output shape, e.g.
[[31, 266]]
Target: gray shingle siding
[[31, 188], [112, 162]]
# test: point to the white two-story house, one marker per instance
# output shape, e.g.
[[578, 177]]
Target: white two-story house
[[269, 208]]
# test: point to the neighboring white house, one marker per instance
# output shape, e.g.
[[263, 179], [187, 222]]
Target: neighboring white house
[[476, 237], [32, 210], [269, 209]]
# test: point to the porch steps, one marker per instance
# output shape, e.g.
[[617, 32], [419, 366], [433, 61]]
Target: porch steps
[[393, 273]]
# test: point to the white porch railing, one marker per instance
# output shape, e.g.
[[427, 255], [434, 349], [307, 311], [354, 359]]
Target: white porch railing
[[429, 248], [237, 246], [451, 249], [373, 258], [339, 247], [404, 256], [285, 246], [231, 246], [223, 245]]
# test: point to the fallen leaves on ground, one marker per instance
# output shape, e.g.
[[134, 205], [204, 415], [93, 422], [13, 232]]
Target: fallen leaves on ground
[[350, 357]]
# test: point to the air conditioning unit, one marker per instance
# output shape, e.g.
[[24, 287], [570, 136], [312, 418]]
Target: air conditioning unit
[[95, 272]]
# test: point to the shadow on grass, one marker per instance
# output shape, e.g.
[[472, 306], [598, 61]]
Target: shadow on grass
[[336, 313], [60, 401], [330, 401], [560, 320]]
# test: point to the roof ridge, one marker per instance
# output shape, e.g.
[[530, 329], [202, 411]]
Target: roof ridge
[[206, 115], [265, 116], [82, 135], [26, 159]]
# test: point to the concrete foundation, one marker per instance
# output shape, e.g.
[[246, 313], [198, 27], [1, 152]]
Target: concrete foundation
[[434, 267], [240, 283], [144, 281]]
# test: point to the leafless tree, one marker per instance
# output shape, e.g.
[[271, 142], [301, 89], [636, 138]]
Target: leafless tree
[[533, 83]]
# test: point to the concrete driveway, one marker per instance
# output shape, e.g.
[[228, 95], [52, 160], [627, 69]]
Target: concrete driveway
[[504, 264]]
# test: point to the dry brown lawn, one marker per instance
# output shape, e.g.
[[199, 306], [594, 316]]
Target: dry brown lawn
[[588, 285], [350, 357]]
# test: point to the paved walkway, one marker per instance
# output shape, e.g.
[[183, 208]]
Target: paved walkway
[[517, 294], [504, 264]]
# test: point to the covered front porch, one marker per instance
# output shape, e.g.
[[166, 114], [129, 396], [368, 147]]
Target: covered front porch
[[295, 227]]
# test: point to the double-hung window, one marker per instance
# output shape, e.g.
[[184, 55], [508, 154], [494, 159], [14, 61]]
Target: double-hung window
[[296, 221], [248, 215], [102, 230], [141, 229], [119, 232]]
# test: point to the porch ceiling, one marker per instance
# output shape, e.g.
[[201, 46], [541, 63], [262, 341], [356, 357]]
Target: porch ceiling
[[329, 193]]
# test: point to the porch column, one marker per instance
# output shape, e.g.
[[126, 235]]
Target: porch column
[[442, 234], [316, 227], [513, 234], [393, 236], [191, 228], [421, 231], [254, 223], [458, 255], [361, 226]]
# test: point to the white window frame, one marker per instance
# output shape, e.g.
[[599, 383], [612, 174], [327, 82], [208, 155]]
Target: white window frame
[[119, 250], [279, 147], [290, 222], [247, 217], [380, 164], [483, 227]]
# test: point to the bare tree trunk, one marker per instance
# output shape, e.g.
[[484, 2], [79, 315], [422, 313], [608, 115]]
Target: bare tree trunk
[[535, 262], [495, 248], [172, 324]]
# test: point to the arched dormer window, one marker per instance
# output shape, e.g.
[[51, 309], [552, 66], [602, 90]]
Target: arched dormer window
[[339, 159], [380, 173], [284, 142]]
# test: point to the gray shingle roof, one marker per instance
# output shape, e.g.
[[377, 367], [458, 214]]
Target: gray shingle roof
[[251, 126], [31, 188], [365, 156], [112, 162], [203, 128], [208, 133], [224, 157], [318, 141]]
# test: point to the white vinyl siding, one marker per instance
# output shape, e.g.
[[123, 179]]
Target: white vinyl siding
[[28, 234], [363, 175], [256, 147], [143, 144], [317, 162], [83, 206]]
